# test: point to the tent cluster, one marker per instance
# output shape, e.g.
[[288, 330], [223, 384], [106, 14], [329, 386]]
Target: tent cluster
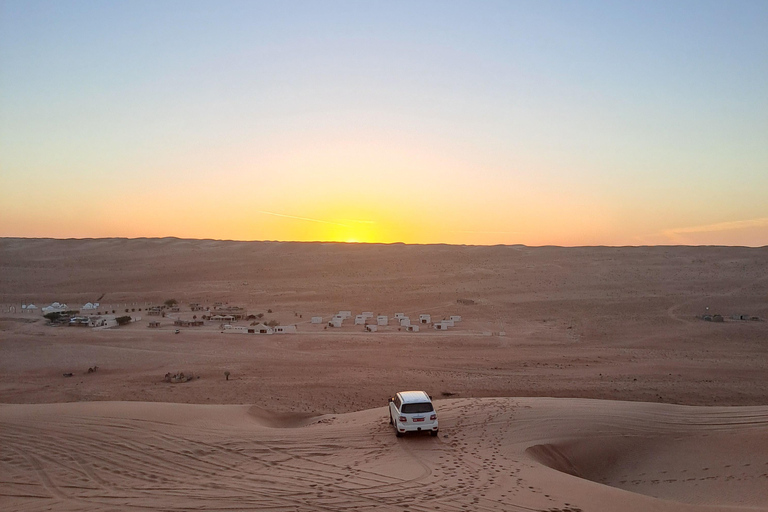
[[366, 320]]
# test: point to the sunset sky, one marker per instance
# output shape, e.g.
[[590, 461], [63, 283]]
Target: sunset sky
[[535, 122]]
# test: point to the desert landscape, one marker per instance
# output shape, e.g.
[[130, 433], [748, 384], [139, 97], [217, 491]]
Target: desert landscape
[[383, 256], [578, 379]]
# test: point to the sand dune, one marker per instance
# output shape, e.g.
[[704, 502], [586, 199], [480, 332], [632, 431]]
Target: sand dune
[[493, 454], [640, 424]]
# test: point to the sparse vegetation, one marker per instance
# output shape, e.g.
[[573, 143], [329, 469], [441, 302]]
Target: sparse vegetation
[[171, 302], [175, 378], [52, 317], [57, 316]]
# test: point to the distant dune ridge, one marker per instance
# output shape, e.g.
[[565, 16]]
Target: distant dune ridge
[[657, 409], [150, 269]]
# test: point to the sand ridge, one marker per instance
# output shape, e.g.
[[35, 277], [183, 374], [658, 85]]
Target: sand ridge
[[493, 454]]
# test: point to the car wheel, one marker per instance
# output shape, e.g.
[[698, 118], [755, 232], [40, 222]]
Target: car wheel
[[399, 434], [390, 419], [433, 433]]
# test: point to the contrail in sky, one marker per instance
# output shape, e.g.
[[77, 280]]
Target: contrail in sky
[[720, 226], [303, 218]]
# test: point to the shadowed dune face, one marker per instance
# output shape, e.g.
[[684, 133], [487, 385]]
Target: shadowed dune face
[[272, 419], [710, 469]]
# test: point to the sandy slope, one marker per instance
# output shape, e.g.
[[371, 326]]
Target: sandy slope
[[304, 428], [490, 456]]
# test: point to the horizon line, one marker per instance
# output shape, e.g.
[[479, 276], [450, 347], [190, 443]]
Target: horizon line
[[374, 243]]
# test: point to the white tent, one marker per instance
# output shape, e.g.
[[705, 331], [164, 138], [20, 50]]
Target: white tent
[[55, 307], [260, 329]]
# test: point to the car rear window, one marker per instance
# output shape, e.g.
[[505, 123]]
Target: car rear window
[[416, 408]]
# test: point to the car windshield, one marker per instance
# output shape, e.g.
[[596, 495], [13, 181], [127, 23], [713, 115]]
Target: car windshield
[[416, 408]]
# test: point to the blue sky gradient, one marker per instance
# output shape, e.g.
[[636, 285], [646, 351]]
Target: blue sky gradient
[[567, 123]]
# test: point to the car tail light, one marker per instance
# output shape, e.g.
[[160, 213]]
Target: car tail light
[[403, 419], [433, 417]]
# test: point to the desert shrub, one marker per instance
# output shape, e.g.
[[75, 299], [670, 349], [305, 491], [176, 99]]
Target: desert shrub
[[273, 323], [52, 317], [171, 302], [269, 311]]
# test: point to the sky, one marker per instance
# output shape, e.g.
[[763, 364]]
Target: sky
[[482, 122]]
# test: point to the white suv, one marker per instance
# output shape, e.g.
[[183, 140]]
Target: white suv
[[412, 411]]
